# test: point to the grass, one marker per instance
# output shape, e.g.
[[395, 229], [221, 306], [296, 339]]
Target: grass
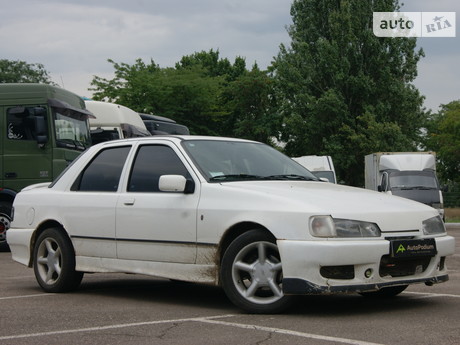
[[452, 215]]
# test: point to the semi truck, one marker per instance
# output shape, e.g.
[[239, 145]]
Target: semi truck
[[321, 166], [114, 121], [44, 128], [410, 175]]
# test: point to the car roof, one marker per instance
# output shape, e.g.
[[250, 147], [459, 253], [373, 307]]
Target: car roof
[[171, 137]]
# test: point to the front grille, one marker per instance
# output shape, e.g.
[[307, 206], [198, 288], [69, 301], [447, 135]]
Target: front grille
[[403, 267]]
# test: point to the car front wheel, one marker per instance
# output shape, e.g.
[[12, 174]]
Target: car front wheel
[[54, 262], [251, 273]]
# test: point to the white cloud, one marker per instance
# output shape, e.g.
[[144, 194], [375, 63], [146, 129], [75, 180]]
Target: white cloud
[[438, 80], [74, 38]]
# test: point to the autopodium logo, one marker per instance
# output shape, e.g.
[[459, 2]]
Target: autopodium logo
[[414, 24]]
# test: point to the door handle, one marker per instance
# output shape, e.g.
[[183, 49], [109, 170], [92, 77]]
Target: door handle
[[129, 202], [11, 175]]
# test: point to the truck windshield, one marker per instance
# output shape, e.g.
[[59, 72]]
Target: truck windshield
[[225, 161], [413, 180], [71, 132]]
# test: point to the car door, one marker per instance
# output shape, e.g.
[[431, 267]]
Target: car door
[[153, 225], [93, 199]]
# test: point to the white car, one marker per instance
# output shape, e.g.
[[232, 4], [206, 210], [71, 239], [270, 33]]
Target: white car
[[222, 211]]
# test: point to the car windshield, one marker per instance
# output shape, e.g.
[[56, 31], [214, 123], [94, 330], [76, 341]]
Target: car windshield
[[413, 180], [221, 161]]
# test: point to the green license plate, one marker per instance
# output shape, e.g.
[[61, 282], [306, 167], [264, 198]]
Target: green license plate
[[413, 248]]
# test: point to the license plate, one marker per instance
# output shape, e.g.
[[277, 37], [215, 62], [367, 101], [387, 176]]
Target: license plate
[[413, 248]]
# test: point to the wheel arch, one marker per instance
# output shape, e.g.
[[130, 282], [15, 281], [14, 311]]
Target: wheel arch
[[233, 232], [50, 223]]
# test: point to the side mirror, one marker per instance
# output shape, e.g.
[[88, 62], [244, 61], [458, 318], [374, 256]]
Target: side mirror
[[41, 130], [176, 183], [379, 188]]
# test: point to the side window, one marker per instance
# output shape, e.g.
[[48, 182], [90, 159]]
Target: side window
[[104, 171], [21, 122], [151, 162]]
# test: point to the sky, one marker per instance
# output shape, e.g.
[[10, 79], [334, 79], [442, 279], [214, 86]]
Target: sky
[[73, 39]]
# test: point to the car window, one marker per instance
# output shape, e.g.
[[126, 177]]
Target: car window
[[150, 163], [104, 171]]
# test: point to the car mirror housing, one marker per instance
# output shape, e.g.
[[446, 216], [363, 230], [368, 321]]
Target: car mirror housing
[[176, 183]]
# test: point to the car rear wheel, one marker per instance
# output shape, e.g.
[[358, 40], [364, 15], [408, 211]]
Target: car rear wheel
[[251, 273], [54, 262], [385, 292]]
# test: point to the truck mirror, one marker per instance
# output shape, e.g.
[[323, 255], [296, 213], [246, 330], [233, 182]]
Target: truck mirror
[[40, 129], [379, 188]]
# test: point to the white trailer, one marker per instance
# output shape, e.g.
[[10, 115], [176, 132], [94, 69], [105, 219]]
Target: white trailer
[[114, 121], [320, 166], [410, 175]]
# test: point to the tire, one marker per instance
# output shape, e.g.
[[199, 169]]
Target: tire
[[387, 292], [251, 274], [54, 262], [5, 222]]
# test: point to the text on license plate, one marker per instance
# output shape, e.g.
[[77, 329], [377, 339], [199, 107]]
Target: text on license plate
[[411, 248]]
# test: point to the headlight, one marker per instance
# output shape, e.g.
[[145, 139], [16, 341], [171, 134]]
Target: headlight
[[355, 228], [433, 226], [326, 226]]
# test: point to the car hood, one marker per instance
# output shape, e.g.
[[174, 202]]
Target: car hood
[[392, 213]]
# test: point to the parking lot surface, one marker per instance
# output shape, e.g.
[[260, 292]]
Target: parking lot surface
[[133, 309]]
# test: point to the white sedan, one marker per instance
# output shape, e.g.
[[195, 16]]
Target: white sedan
[[222, 211]]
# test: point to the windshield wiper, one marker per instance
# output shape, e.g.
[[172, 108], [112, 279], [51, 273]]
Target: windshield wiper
[[235, 177], [291, 177]]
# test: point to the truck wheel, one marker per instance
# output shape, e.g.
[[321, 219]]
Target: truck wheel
[[251, 274], [54, 262], [5, 222], [385, 292]]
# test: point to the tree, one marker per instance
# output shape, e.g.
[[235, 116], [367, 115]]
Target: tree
[[443, 136], [208, 94], [186, 95], [23, 72], [251, 107], [345, 92]]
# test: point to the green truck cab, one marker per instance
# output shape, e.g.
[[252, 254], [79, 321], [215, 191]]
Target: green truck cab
[[43, 128]]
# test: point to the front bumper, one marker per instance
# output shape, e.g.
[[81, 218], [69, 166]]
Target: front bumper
[[336, 266]]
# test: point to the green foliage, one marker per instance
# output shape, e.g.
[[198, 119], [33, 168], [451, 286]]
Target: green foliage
[[251, 107], [208, 94], [443, 136], [343, 91], [23, 72]]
